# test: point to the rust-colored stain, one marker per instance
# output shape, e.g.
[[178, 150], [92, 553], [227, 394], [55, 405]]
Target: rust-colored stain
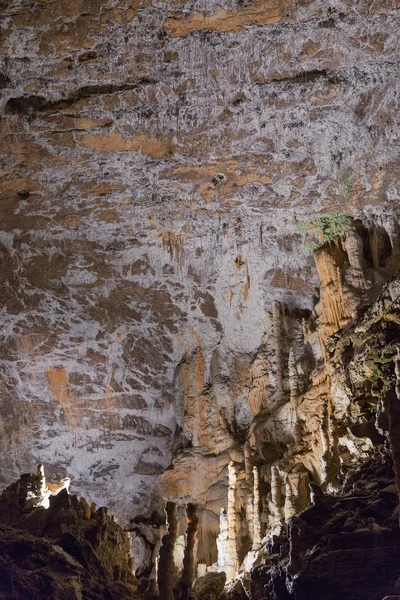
[[171, 241], [116, 142], [58, 379], [261, 12]]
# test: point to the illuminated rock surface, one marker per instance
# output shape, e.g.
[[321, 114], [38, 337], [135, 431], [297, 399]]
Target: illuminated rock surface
[[161, 316]]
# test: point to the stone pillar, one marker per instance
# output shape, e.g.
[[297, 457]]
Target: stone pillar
[[41, 480], [188, 559], [166, 566], [250, 515], [276, 491], [226, 542], [256, 511], [232, 515]]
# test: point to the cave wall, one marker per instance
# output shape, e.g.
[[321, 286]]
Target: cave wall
[[155, 158]]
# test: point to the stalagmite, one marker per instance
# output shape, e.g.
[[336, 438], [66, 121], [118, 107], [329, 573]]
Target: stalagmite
[[290, 499], [179, 551], [42, 480], [226, 541], [276, 487], [85, 507], [250, 515], [297, 494], [256, 511], [233, 558], [275, 505], [247, 464], [166, 567], [249, 493]]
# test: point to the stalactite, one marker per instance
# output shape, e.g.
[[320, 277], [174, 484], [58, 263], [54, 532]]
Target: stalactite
[[131, 564], [256, 511], [259, 381], [354, 248], [333, 312], [166, 567]]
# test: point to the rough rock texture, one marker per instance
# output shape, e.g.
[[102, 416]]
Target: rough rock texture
[[60, 553], [155, 157], [341, 547], [162, 322]]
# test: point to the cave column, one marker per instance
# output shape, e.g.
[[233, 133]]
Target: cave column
[[166, 565], [256, 511], [233, 557], [188, 558]]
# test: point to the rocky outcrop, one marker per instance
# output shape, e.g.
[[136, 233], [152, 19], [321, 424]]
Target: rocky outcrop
[[343, 546], [61, 551]]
